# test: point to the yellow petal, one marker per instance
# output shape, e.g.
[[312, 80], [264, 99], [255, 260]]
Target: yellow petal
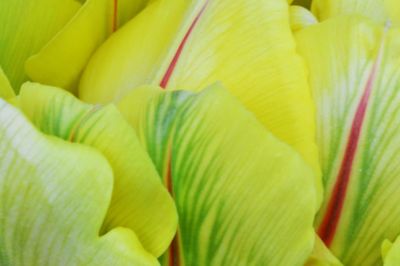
[[243, 196], [322, 256], [6, 91], [139, 200], [300, 17], [190, 45], [379, 10], [27, 25], [391, 252], [354, 75], [62, 60], [54, 196]]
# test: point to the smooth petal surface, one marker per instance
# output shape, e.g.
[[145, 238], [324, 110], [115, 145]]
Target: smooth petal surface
[[6, 91], [304, 3], [54, 196], [61, 61], [391, 252], [25, 26], [191, 44], [140, 201], [243, 197], [322, 256], [300, 17], [379, 10], [354, 73], [127, 9]]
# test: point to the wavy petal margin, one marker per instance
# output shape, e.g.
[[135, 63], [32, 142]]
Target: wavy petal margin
[[243, 197], [54, 196]]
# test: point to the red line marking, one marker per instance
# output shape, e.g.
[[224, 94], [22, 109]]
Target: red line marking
[[173, 253], [115, 16], [172, 65], [329, 224]]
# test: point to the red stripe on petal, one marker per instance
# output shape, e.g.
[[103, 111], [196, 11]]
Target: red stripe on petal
[[175, 59], [333, 213], [115, 16]]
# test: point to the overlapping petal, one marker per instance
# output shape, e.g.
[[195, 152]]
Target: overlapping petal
[[54, 196], [300, 17], [355, 78], [60, 61], [379, 10], [243, 197], [139, 200], [27, 25], [51, 41], [191, 44], [6, 91]]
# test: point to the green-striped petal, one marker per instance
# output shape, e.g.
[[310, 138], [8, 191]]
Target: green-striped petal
[[355, 78], [191, 44], [54, 196], [139, 201], [243, 197]]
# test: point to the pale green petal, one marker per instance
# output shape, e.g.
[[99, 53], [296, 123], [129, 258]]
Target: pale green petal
[[127, 9], [27, 25], [243, 197], [322, 256], [61, 61], [139, 201], [391, 252], [304, 3], [6, 91], [54, 196]]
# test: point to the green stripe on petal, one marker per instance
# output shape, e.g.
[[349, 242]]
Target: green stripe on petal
[[191, 44], [243, 197], [347, 57], [139, 200], [54, 196]]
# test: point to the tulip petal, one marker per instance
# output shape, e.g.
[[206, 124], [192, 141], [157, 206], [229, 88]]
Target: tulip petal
[[139, 202], [54, 196], [6, 91], [62, 60], [322, 256], [27, 25], [127, 9], [243, 197], [300, 17], [379, 10], [303, 3], [192, 44], [354, 74], [391, 252]]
